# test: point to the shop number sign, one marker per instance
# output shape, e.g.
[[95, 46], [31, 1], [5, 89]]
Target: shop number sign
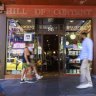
[[27, 37]]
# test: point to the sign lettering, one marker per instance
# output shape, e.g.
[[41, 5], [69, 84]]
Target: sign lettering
[[50, 11]]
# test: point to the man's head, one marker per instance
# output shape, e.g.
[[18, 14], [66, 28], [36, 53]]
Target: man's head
[[83, 35]]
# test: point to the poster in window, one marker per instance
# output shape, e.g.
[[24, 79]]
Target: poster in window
[[27, 37]]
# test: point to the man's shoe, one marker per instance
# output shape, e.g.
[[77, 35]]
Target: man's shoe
[[84, 86], [90, 85]]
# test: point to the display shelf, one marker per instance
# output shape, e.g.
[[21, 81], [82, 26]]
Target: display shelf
[[71, 55]]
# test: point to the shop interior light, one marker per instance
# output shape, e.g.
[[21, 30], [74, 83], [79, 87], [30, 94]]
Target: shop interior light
[[83, 21], [29, 20], [72, 36], [67, 42], [54, 52], [71, 21]]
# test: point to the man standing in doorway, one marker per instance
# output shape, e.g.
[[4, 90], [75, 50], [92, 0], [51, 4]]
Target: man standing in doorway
[[86, 57]]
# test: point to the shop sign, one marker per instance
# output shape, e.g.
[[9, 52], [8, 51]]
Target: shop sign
[[36, 11], [2, 8], [27, 37], [72, 28], [19, 45]]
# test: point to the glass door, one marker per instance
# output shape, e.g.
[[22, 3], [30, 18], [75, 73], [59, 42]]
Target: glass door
[[62, 55], [38, 49]]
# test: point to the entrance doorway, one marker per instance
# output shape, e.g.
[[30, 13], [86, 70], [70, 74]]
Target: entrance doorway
[[51, 48]]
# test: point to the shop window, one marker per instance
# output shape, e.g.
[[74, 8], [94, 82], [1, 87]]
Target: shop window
[[73, 42], [17, 29]]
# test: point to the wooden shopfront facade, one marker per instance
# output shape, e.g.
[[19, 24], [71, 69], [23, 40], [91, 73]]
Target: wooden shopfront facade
[[44, 11]]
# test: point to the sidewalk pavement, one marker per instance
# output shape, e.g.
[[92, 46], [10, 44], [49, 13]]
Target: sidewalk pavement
[[49, 86]]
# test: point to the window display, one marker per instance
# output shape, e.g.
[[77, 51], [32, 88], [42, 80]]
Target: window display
[[73, 43], [13, 64], [16, 45]]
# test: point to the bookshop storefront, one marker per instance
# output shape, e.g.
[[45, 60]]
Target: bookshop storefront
[[53, 31]]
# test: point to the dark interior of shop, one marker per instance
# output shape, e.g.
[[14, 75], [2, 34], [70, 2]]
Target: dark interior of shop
[[50, 43], [51, 47]]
